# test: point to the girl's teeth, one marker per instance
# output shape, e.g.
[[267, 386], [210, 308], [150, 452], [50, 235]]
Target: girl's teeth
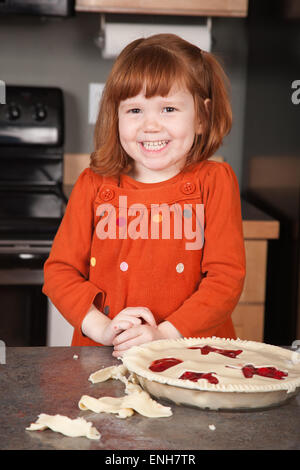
[[155, 145]]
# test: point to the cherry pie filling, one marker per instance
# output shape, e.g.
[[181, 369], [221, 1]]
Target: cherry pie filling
[[195, 376], [225, 352], [163, 364], [271, 372], [248, 370]]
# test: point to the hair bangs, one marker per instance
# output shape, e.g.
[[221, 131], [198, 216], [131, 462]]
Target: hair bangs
[[153, 71]]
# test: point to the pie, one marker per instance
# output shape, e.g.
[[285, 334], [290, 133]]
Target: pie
[[215, 373]]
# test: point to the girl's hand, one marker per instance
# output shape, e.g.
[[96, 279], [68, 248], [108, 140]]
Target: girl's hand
[[143, 334], [134, 336], [126, 319]]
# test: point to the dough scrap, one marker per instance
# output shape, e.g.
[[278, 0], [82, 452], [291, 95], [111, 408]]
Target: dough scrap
[[136, 399], [112, 372], [69, 427], [139, 401], [132, 387], [105, 405]]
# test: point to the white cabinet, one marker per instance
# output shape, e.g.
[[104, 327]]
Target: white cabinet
[[59, 331]]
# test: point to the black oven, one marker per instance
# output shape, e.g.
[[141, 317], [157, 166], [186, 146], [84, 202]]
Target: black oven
[[61, 8], [31, 207]]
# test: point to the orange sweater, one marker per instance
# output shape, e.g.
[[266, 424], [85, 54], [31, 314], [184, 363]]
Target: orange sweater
[[113, 249]]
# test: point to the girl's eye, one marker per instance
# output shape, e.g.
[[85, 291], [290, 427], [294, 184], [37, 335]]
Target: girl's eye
[[134, 110], [169, 109]]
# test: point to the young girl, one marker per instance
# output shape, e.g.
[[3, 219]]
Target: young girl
[[151, 244]]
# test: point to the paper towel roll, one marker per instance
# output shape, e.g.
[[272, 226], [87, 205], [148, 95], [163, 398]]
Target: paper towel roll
[[118, 35]]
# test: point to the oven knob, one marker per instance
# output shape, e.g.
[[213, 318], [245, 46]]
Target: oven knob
[[13, 112], [40, 113]]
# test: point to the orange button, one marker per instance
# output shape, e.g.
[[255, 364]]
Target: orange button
[[188, 187], [107, 194]]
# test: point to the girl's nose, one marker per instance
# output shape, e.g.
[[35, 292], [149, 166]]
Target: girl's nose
[[151, 123]]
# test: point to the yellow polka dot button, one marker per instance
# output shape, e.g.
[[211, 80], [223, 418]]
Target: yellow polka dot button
[[93, 261]]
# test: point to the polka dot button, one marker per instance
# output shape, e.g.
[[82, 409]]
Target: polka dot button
[[124, 266], [180, 267], [107, 194], [188, 187], [93, 261]]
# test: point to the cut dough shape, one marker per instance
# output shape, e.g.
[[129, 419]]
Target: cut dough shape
[[105, 405], [139, 401], [69, 427], [112, 372]]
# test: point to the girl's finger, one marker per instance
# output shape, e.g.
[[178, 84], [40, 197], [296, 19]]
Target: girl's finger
[[126, 336], [122, 325], [126, 320], [142, 312], [128, 344], [118, 353]]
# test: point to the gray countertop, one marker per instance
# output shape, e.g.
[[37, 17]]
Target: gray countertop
[[49, 380]]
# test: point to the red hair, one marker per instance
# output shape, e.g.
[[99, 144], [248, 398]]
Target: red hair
[[157, 63]]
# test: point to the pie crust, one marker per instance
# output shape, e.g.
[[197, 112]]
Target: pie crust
[[232, 387]]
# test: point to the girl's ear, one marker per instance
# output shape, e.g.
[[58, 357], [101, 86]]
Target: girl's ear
[[207, 104]]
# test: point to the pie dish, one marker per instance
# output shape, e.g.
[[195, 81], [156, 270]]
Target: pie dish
[[215, 373]]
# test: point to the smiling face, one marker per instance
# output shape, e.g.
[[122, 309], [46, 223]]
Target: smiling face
[[157, 133]]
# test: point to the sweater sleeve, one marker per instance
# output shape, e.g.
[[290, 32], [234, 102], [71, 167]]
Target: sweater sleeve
[[66, 271], [223, 262]]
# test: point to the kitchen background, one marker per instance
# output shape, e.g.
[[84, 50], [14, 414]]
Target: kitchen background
[[261, 55]]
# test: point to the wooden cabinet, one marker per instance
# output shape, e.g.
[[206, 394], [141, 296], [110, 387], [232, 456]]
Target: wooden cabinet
[[248, 316], [236, 8]]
